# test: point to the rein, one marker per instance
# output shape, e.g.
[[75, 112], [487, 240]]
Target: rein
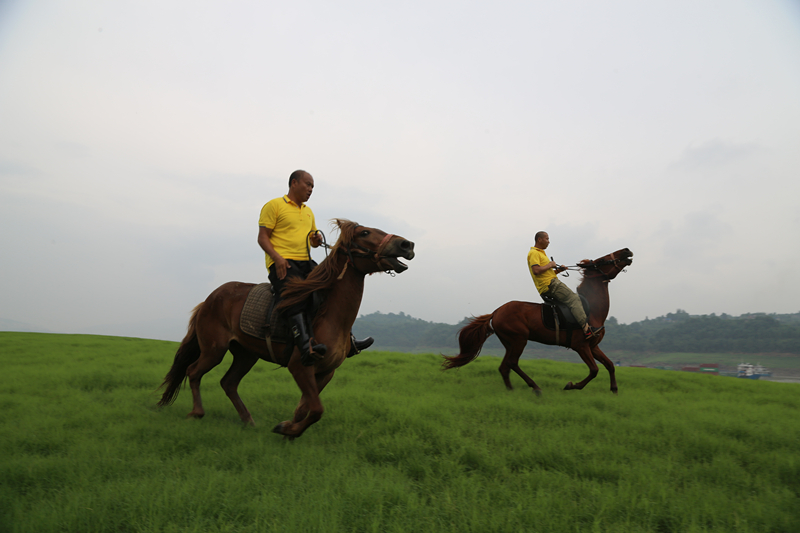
[[324, 244], [594, 265]]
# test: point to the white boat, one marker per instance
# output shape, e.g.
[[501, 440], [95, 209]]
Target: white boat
[[748, 371]]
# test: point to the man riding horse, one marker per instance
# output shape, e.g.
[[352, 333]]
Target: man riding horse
[[544, 273], [285, 229]]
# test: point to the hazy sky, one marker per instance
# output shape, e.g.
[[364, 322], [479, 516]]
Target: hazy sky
[[139, 141]]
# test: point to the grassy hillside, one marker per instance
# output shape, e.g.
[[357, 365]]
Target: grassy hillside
[[402, 447]]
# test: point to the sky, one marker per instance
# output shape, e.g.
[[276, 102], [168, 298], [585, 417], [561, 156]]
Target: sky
[[140, 139]]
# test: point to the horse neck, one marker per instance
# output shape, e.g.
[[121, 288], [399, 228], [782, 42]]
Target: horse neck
[[595, 291], [344, 298]]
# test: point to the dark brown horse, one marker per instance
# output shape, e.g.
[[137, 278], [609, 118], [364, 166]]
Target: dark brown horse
[[214, 326], [515, 323]]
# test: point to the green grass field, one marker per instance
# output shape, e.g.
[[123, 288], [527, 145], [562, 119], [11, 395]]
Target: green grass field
[[403, 447]]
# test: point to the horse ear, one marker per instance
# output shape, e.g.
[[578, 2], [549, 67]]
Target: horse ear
[[346, 229], [342, 222]]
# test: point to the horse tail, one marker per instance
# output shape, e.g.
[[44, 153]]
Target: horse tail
[[188, 352], [470, 341]]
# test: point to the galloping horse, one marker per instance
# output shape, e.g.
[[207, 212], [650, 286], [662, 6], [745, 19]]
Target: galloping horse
[[214, 326], [515, 323]]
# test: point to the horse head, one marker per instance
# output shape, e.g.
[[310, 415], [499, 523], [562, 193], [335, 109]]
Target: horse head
[[608, 266], [374, 249]]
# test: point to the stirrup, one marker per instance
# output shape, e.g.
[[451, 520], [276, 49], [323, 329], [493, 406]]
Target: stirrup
[[357, 347], [313, 354], [592, 332]]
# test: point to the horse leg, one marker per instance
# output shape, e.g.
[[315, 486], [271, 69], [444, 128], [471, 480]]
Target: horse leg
[[514, 347], [242, 363], [505, 372], [586, 354], [301, 412], [209, 358], [603, 358], [310, 402], [532, 384]]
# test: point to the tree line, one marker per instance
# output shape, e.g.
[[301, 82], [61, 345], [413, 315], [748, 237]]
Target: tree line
[[682, 332], [673, 333]]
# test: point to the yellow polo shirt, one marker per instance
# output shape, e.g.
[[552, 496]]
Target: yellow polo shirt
[[542, 281], [290, 225]]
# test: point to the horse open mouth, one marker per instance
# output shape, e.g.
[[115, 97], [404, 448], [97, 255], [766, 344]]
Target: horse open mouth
[[399, 247], [628, 256], [397, 265]]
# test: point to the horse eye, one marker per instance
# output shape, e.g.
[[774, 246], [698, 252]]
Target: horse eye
[[365, 233]]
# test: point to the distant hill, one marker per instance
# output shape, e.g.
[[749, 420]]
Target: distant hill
[[677, 332], [682, 332], [404, 333], [673, 333]]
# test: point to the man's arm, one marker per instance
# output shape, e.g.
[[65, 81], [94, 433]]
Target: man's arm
[[281, 264], [540, 269]]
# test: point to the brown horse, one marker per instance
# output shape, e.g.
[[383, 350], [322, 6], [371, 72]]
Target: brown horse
[[515, 323], [214, 326]]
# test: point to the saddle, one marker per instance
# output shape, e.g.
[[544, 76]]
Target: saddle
[[259, 305], [556, 316]]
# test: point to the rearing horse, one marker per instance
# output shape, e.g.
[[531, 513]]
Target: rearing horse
[[515, 323], [214, 326]]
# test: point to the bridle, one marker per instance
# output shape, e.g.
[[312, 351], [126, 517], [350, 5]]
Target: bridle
[[356, 251], [361, 251], [595, 267]]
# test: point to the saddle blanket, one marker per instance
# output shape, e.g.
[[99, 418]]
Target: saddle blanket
[[254, 315], [565, 318]]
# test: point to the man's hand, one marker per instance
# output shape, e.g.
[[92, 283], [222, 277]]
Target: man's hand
[[281, 265], [315, 239]]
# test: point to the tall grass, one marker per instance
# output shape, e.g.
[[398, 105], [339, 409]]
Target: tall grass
[[402, 447]]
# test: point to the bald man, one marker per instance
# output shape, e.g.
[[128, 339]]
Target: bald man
[[285, 229], [543, 271]]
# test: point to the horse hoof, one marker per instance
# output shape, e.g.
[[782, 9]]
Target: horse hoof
[[280, 429], [614, 390], [196, 416], [537, 392], [569, 386]]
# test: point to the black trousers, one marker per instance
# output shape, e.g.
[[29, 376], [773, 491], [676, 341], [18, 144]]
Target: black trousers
[[298, 269]]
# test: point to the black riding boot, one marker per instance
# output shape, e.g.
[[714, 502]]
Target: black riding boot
[[308, 354], [358, 346]]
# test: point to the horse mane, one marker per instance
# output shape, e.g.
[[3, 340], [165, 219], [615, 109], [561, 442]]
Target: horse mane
[[588, 274], [325, 274], [585, 264]]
